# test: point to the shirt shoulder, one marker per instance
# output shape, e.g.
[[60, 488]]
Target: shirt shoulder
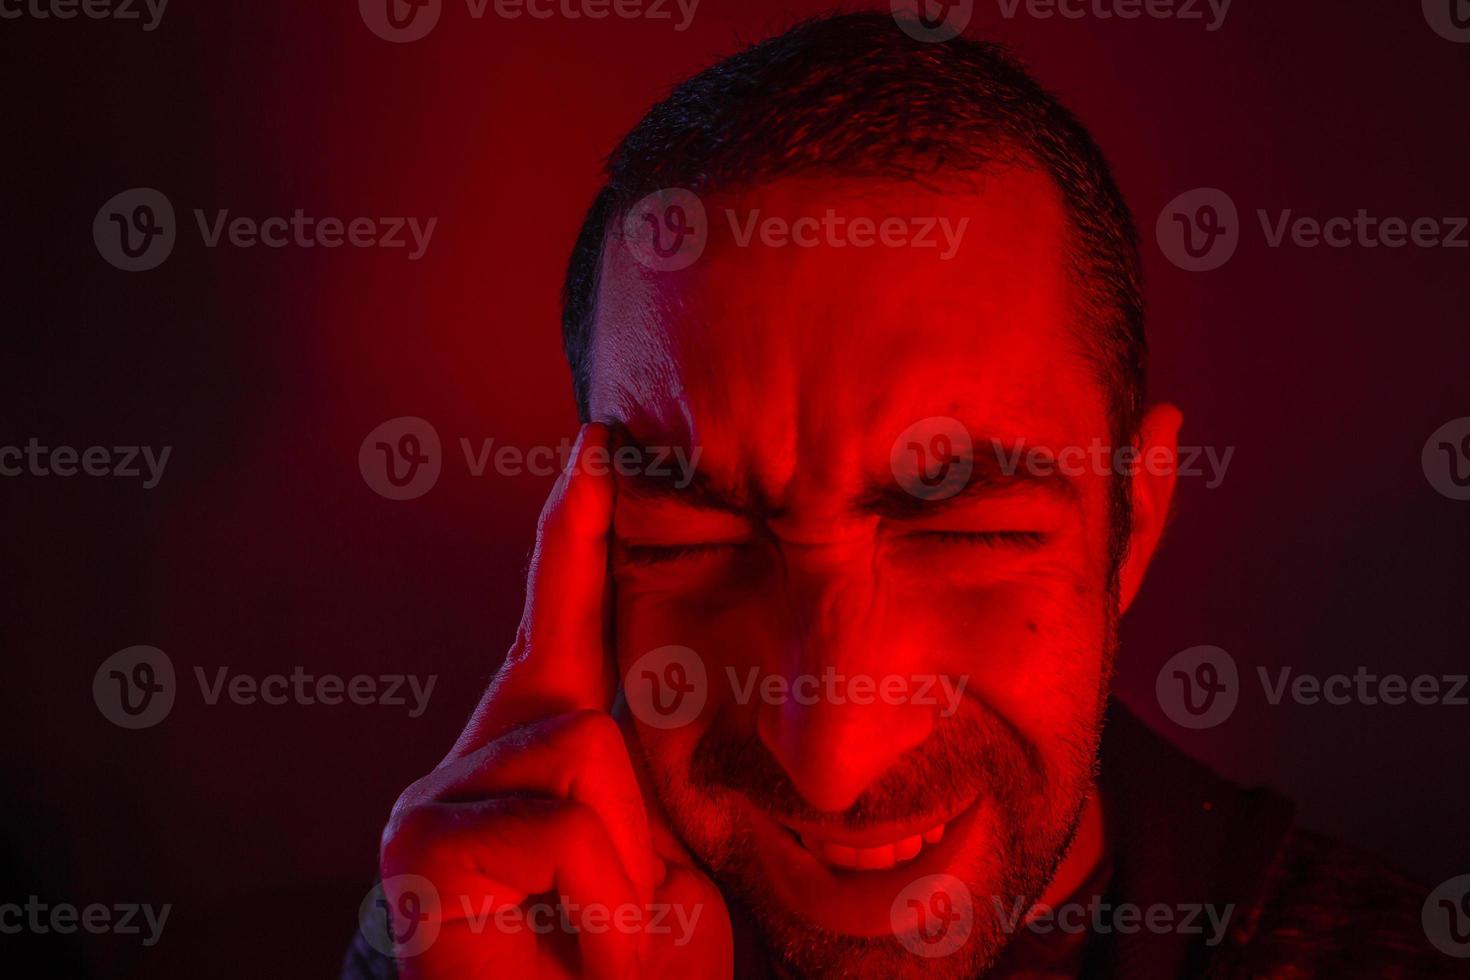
[[1330, 909]]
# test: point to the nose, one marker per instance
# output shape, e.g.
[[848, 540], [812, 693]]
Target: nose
[[838, 729]]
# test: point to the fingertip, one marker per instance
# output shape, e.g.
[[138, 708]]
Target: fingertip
[[590, 453], [589, 484], [595, 433]]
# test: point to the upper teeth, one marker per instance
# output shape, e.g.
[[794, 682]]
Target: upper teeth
[[872, 858]]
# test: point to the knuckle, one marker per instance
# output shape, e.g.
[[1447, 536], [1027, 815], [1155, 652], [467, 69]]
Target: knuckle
[[405, 834], [415, 794], [594, 739], [409, 819], [592, 728]]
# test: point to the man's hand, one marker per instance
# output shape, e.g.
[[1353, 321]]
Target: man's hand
[[533, 831]]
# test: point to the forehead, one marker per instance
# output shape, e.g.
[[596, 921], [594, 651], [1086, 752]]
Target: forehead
[[771, 348]]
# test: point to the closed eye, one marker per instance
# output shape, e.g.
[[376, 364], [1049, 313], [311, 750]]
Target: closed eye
[[656, 554], [1020, 540]]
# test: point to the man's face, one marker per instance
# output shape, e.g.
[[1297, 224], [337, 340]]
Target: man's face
[[897, 685]]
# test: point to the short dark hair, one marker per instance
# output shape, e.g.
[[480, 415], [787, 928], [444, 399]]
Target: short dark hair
[[854, 94]]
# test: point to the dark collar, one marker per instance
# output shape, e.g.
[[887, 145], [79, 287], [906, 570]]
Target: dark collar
[[1180, 835]]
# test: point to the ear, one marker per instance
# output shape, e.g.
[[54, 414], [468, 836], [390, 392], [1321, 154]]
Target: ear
[[1154, 470]]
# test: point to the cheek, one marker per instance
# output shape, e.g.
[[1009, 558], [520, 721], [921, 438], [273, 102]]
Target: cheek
[[732, 630], [1032, 650], [703, 823]]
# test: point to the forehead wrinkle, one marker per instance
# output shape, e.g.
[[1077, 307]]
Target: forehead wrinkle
[[730, 390], [633, 372], [760, 377]]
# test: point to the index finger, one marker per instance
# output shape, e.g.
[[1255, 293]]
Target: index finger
[[559, 661]]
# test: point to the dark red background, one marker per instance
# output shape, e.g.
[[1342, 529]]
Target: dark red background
[[263, 548]]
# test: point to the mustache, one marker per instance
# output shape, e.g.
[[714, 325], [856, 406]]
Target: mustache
[[967, 756]]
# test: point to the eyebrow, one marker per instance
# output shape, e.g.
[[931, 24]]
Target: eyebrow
[[990, 476], [701, 491]]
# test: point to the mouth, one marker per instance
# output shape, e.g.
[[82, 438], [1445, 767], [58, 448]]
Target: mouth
[[874, 849], [846, 880]]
